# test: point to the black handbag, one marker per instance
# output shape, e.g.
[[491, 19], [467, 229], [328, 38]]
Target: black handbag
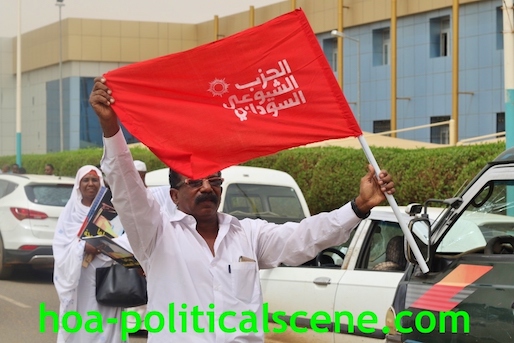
[[119, 286]]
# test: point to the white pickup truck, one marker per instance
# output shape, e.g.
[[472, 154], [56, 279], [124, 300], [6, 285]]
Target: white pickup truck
[[251, 192]]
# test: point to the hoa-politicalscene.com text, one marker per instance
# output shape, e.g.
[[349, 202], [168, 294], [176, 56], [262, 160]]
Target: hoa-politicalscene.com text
[[189, 318]]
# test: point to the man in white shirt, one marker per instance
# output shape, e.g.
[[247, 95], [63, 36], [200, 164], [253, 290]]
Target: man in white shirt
[[202, 266]]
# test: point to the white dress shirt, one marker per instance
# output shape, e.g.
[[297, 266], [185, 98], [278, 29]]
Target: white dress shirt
[[163, 197], [183, 275]]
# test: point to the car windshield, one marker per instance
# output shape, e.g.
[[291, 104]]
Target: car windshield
[[50, 195], [276, 204], [489, 214]]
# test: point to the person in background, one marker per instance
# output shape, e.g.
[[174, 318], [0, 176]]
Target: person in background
[[160, 193], [74, 276], [15, 168], [141, 169], [6, 169], [49, 169]]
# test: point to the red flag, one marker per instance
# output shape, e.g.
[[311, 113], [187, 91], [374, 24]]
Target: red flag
[[252, 94]]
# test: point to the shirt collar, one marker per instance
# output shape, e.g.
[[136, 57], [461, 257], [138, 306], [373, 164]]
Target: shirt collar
[[223, 218]]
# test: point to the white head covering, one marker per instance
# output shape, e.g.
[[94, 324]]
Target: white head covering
[[74, 212], [68, 249], [140, 166], [83, 171]]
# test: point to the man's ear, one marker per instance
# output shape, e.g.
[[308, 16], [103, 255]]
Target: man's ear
[[174, 195]]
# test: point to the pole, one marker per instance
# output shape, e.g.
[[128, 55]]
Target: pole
[[216, 27], [18, 89], [61, 116], [392, 202], [341, 35], [358, 75], [508, 58], [394, 90], [340, 43], [358, 81], [252, 16], [454, 134]]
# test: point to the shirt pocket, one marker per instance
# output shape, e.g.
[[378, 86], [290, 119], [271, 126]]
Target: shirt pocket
[[243, 275]]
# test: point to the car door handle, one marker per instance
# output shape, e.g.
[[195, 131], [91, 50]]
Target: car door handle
[[322, 280]]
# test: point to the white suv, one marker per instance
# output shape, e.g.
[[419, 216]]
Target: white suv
[[29, 208]]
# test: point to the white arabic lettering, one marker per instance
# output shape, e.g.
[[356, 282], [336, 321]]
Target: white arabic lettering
[[265, 101]]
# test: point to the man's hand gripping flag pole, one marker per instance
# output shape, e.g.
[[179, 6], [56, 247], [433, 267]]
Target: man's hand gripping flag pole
[[392, 202]]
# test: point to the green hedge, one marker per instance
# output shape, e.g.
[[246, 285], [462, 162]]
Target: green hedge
[[329, 176], [68, 162]]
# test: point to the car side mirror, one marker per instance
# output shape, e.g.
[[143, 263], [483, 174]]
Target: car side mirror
[[420, 229], [414, 209]]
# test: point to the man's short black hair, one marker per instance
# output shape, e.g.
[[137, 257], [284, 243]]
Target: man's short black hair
[[174, 178]]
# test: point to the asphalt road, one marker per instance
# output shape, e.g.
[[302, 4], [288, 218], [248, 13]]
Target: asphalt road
[[20, 301]]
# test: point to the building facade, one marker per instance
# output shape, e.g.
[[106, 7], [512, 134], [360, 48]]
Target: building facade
[[424, 50]]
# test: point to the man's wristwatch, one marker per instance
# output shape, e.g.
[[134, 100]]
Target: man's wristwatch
[[358, 212]]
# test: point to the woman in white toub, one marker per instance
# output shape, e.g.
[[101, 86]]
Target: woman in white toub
[[74, 276]]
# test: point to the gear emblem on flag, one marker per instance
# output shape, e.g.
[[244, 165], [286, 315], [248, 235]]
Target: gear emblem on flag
[[218, 87]]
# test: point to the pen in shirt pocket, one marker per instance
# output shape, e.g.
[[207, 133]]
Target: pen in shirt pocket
[[245, 259], [229, 269]]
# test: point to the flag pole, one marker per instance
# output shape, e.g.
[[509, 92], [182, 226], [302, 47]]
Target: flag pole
[[396, 209]]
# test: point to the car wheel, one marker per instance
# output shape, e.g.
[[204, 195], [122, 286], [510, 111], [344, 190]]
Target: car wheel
[[5, 271]]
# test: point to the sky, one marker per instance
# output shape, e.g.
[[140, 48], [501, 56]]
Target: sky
[[38, 13]]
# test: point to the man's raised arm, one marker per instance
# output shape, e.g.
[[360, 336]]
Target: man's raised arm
[[139, 213]]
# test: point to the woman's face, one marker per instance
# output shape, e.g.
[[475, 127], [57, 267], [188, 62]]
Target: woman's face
[[89, 186]]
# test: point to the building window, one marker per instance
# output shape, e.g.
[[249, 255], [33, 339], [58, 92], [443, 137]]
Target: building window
[[445, 37], [90, 130], [381, 126], [386, 51], [499, 28], [381, 47], [500, 122], [440, 134], [330, 50], [440, 36]]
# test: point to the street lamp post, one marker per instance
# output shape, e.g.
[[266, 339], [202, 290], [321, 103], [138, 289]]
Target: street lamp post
[[18, 88], [508, 57], [61, 120], [336, 33]]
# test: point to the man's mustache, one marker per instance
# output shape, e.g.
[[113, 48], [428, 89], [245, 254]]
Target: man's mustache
[[206, 197]]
